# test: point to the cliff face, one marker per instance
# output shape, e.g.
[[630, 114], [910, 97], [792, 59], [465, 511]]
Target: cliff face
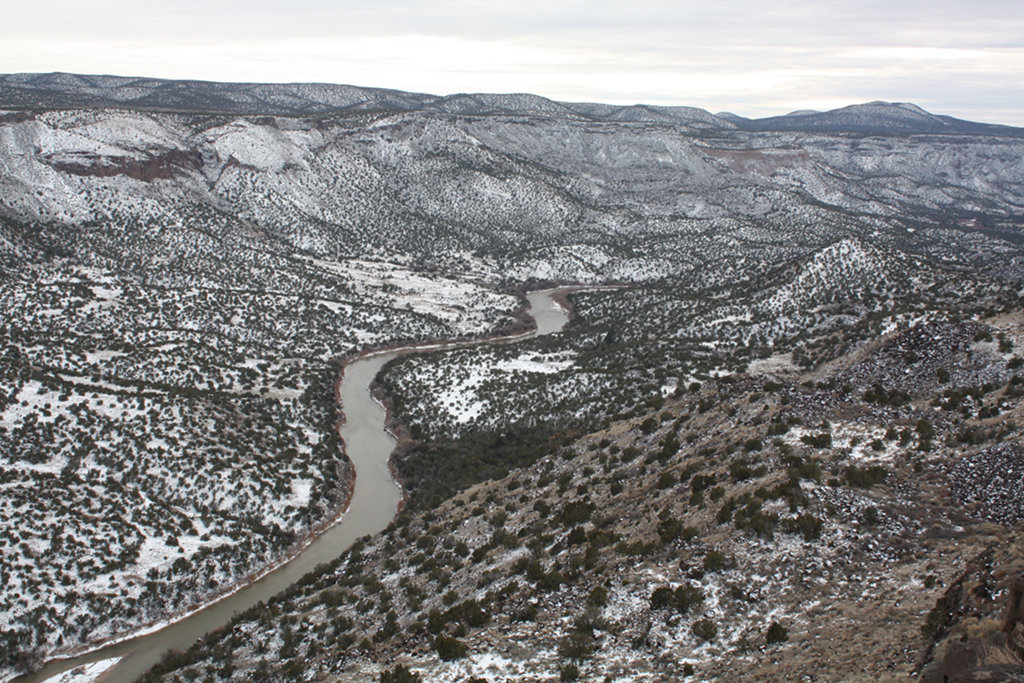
[[163, 166]]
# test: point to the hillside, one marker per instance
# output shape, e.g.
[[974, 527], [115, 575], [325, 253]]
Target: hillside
[[772, 527]]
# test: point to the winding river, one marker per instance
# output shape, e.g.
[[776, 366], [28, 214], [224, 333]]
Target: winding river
[[373, 506]]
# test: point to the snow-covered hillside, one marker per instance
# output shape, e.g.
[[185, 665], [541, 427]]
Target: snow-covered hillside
[[179, 286]]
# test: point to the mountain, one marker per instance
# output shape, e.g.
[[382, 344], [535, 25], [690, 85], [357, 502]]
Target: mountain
[[186, 265], [66, 91], [876, 118], [63, 91]]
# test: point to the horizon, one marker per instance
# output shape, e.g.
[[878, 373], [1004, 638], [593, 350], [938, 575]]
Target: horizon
[[532, 94], [755, 59]]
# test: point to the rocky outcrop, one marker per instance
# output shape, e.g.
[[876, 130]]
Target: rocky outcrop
[[164, 165], [979, 622]]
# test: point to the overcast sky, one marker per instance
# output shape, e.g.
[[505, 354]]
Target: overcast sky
[[755, 58]]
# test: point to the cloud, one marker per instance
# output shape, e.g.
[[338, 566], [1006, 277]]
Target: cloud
[[755, 58]]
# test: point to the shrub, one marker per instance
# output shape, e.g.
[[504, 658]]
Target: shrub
[[701, 482], [806, 524], [749, 517], [661, 597], [598, 597], [648, 425], [714, 561], [668, 449], [690, 470], [576, 645], [437, 620], [399, 674], [822, 440], [666, 481], [705, 629], [810, 470], [576, 512], [600, 538], [934, 622], [669, 530], [865, 477], [758, 524], [776, 634], [740, 470], [472, 613], [686, 596], [550, 581], [449, 648], [682, 598]]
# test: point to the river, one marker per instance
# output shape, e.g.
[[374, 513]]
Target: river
[[373, 506]]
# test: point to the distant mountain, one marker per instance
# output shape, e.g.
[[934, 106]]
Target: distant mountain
[[892, 118], [69, 91], [62, 90]]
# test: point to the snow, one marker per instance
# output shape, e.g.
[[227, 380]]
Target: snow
[[779, 363], [156, 553], [464, 399], [33, 398], [45, 405], [731, 319], [459, 303], [260, 147], [301, 489], [100, 356], [133, 131], [86, 673], [844, 434], [535, 363]]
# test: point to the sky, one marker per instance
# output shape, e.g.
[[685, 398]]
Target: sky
[[754, 58]]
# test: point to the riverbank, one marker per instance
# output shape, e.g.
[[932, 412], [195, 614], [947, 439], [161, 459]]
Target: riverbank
[[559, 296]]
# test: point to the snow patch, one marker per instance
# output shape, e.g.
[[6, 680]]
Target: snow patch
[[86, 673]]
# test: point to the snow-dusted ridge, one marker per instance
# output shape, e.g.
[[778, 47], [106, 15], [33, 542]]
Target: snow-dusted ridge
[[64, 91]]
